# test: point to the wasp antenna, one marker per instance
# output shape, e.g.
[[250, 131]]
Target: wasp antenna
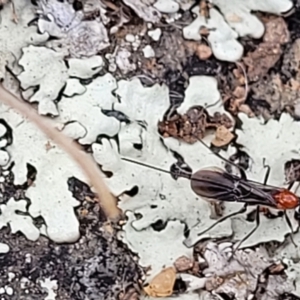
[[145, 165], [242, 171]]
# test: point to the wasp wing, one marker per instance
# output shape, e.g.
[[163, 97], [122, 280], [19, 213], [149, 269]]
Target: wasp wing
[[213, 184]]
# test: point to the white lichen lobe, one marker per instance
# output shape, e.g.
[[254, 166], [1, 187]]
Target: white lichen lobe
[[234, 20]]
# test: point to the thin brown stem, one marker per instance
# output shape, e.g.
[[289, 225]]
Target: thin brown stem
[[106, 199]]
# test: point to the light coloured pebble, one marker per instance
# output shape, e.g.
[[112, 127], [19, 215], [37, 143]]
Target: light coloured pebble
[[23, 282], [148, 51], [2, 130], [223, 246], [135, 45], [130, 38], [166, 6], [2, 179], [4, 158], [173, 18], [201, 260], [112, 67], [286, 261], [28, 258], [11, 276], [155, 34], [193, 282], [113, 30], [3, 143], [2, 291], [9, 291]]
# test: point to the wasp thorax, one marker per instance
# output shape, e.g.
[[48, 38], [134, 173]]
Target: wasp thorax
[[180, 170]]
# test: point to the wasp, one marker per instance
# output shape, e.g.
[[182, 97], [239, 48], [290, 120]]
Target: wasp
[[215, 184]]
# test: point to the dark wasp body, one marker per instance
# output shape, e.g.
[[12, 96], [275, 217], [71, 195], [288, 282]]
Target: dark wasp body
[[214, 185], [222, 186]]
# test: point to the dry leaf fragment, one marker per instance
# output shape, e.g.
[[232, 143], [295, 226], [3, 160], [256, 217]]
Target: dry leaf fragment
[[292, 170], [204, 31], [214, 282], [162, 284], [244, 108], [183, 264], [261, 60], [237, 102], [276, 31], [203, 52], [192, 126], [269, 51], [239, 75], [131, 294], [83, 212], [204, 9], [223, 137], [219, 119], [239, 92]]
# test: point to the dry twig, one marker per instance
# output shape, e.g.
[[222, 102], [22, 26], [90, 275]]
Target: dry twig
[[106, 199]]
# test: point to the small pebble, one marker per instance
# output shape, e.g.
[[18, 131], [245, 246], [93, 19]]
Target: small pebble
[[155, 34], [9, 291], [4, 158], [23, 282], [28, 258], [148, 51], [2, 130], [130, 38], [135, 45], [11, 276], [203, 52], [3, 143], [167, 6], [4, 248]]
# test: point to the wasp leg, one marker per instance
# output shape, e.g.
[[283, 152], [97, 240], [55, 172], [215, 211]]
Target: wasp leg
[[244, 208], [290, 185], [197, 2], [267, 213], [257, 217], [217, 208], [290, 226], [268, 171], [296, 190], [297, 214]]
